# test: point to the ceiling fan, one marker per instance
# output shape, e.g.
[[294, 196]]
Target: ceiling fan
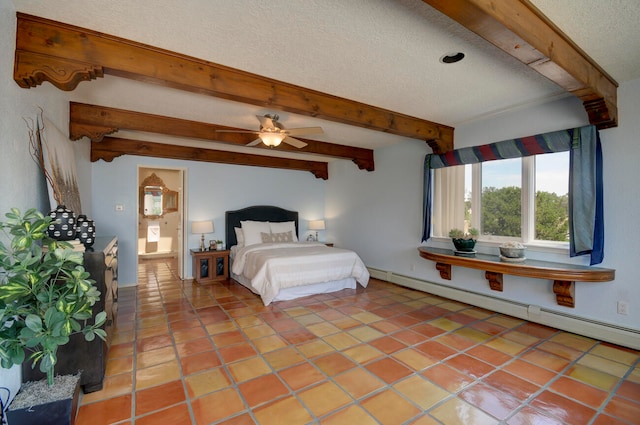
[[272, 133]]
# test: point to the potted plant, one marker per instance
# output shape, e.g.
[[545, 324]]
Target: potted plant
[[219, 246], [45, 294], [464, 242]]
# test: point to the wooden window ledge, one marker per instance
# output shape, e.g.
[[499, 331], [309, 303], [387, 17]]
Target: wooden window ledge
[[564, 276]]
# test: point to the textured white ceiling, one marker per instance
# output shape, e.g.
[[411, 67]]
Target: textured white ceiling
[[381, 52], [607, 30]]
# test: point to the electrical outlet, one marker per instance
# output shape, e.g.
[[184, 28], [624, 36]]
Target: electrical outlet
[[623, 307]]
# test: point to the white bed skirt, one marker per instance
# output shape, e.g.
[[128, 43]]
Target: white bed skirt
[[303, 291]]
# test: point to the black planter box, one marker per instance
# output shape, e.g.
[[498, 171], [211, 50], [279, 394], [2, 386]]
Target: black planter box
[[61, 412]]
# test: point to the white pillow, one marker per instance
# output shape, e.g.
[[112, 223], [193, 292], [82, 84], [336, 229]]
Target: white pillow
[[283, 227], [252, 230], [239, 237]]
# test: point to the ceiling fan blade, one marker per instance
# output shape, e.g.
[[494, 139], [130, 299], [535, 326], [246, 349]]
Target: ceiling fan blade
[[304, 131], [255, 142], [265, 122], [236, 131], [294, 142]]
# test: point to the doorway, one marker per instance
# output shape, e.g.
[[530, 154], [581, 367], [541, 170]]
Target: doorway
[[161, 215]]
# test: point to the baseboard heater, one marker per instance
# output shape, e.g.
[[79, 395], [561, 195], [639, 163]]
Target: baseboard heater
[[603, 331]]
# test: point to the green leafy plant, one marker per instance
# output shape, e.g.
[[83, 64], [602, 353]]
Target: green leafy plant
[[45, 293], [459, 234]]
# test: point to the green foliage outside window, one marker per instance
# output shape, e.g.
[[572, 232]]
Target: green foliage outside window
[[552, 217], [501, 214], [501, 211]]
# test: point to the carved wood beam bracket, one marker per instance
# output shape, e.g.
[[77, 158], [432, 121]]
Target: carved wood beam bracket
[[32, 69], [495, 280], [94, 132], [445, 270], [365, 164], [565, 292]]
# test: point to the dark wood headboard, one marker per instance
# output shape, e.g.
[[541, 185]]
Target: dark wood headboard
[[255, 213]]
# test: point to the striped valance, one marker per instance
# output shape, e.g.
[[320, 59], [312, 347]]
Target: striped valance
[[557, 141]]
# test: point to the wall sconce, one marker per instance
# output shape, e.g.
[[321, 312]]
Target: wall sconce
[[316, 225], [202, 227]]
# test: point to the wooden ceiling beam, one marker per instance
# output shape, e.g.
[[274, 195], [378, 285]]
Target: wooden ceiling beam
[[65, 55], [95, 122], [521, 30], [113, 147]]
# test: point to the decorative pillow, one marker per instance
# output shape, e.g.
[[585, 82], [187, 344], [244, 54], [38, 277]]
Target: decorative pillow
[[266, 237], [239, 237], [282, 237], [252, 230], [285, 226], [276, 237]]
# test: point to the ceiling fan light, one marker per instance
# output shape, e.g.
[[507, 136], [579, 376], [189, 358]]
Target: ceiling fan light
[[272, 139]]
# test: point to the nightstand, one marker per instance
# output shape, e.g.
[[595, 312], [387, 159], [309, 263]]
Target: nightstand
[[210, 265]]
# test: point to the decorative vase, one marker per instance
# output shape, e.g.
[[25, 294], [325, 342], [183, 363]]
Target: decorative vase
[[79, 220], [63, 226], [86, 232], [464, 245]]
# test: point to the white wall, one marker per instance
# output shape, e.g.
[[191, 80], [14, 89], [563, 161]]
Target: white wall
[[378, 214], [21, 183]]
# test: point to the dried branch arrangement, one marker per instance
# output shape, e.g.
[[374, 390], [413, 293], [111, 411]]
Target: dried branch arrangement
[[38, 141]]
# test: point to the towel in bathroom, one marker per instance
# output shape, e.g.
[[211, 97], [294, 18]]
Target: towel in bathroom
[[153, 231]]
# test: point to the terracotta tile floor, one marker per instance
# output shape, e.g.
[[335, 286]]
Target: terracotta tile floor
[[188, 354]]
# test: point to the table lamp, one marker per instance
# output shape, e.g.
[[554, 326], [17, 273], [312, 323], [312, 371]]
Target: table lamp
[[316, 225], [202, 227]]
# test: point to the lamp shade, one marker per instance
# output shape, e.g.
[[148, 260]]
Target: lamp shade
[[271, 139], [202, 227], [316, 225]]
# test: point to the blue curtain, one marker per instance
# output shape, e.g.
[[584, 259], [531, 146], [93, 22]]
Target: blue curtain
[[586, 221], [427, 202], [586, 213]]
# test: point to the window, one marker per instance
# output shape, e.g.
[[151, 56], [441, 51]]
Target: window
[[444, 200], [520, 199], [552, 197]]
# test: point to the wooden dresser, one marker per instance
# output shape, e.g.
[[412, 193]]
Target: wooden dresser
[[101, 261]]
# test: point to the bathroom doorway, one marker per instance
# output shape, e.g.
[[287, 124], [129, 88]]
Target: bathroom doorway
[[161, 215]]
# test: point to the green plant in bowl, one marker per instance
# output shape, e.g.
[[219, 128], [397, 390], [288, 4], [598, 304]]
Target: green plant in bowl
[[464, 241]]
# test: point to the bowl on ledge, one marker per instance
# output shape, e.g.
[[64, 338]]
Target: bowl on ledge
[[512, 252]]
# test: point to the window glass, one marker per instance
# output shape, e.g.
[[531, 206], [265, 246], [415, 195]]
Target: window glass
[[502, 198], [520, 199], [552, 199]]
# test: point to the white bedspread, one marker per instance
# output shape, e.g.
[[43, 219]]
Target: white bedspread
[[275, 266]]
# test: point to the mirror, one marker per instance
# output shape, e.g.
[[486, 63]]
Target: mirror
[[152, 201], [155, 199], [170, 199]]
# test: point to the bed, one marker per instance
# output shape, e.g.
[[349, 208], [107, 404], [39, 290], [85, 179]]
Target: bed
[[271, 261]]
